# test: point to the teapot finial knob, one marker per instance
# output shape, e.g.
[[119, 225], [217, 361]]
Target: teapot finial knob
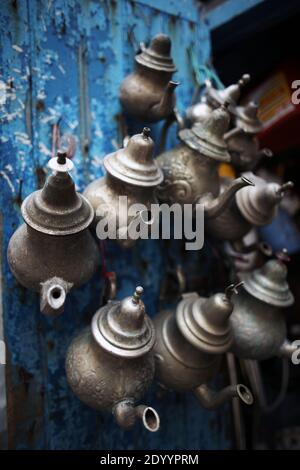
[[61, 157], [244, 80], [283, 255], [137, 294], [146, 132]]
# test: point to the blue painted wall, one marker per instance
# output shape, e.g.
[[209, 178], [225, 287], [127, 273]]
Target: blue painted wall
[[62, 61]]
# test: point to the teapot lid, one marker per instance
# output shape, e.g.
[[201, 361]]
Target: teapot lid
[[268, 284], [123, 329], [207, 136], [258, 203], [134, 164], [57, 209], [204, 322], [231, 94], [158, 55], [246, 118]]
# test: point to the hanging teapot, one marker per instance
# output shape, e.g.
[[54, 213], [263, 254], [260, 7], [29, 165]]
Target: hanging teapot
[[213, 98], [132, 175], [189, 347], [148, 93], [242, 142], [255, 205], [191, 168], [110, 365], [257, 322], [53, 251]]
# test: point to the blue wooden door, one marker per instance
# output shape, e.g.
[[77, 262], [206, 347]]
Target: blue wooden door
[[62, 62]]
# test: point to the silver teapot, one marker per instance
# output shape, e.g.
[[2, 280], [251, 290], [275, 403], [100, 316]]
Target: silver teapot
[[131, 174], [191, 168], [148, 93], [110, 365], [53, 251], [257, 321], [189, 346]]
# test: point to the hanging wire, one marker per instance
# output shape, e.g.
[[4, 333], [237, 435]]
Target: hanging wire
[[204, 72]]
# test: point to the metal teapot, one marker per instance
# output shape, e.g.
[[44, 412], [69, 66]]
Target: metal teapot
[[257, 322], [191, 169], [242, 142], [189, 347], [213, 98], [148, 93], [254, 205], [53, 251], [132, 173], [110, 365]]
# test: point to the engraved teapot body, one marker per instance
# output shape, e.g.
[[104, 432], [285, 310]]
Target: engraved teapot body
[[110, 366], [191, 169]]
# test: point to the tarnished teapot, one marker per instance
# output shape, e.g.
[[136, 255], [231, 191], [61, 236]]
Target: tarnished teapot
[[213, 98], [254, 205], [189, 347], [257, 322], [53, 251], [148, 93], [131, 177], [191, 168], [110, 365], [242, 142]]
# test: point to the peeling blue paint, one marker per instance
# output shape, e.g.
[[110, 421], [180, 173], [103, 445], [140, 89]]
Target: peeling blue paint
[[63, 61]]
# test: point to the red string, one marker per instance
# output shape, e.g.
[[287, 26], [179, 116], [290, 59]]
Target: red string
[[104, 273]]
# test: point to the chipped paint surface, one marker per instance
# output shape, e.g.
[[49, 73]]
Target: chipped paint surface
[[62, 62]]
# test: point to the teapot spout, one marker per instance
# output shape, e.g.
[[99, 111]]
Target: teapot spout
[[211, 399], [126, 415], [53, 296], [213, 207], [165, 107], [287, 349]]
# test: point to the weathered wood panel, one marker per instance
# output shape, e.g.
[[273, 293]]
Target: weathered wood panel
[[62, 62]]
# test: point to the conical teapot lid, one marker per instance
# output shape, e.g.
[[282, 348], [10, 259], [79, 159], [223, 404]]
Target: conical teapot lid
[[246, 118], [207, 137], [134, 164], [204, 322], [258, 203], [268, 284], [231, 94], [123, 329], [57, 209], [158, 55]]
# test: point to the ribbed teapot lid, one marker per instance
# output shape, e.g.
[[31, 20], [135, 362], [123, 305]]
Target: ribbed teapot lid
[[230, 94], [123, 329], [57, 209], [268, 284], [158, 55], [207, 136], [134, 164], [246, 118], [204, 322], [259, 203]]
